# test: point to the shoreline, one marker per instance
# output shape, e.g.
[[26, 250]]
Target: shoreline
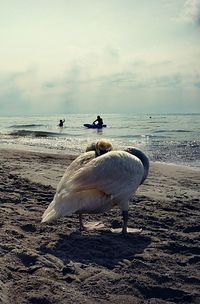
[[63, 154], [54, 263]]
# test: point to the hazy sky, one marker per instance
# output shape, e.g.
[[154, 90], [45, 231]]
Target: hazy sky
[[99, 56]]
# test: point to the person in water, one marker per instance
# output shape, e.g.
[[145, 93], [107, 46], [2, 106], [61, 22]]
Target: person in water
[[99, 121], [61, 122]]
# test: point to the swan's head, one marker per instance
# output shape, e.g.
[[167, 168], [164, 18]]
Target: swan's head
[[103, 146], [100, 147]]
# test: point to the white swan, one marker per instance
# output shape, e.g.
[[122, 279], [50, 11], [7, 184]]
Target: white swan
[[96, 184]]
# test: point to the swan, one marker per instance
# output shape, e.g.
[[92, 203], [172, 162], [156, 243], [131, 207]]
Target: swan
[[94, 184], [96, 149]]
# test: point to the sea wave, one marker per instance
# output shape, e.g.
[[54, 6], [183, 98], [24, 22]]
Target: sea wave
[[139, 136], [26, 126], [34, 133], [172, 131]]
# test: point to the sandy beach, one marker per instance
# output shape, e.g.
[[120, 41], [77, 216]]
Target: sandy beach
[[55, 263]]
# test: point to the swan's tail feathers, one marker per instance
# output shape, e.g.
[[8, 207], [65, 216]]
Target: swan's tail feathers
[[60, 206], [50, 213], [85, 201]]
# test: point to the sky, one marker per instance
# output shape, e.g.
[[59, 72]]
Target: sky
[[99, 56]]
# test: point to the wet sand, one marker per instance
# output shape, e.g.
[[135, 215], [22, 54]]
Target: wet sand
[[55, 263]]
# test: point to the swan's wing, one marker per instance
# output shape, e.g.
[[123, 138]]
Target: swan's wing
[[115, 173], [78, 163], [66, 202]]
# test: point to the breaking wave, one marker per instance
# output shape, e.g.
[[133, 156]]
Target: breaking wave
[[34, 133], [26, 126]]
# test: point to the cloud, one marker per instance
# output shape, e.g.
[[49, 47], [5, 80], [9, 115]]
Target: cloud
[[191, 12], [88, 87]]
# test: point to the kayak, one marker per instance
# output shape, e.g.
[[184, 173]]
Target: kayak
[[93, 126]]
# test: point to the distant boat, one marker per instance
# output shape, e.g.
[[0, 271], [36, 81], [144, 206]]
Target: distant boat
[[93, 126]]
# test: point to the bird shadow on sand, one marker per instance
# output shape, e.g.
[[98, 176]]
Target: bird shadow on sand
[[101, 248]]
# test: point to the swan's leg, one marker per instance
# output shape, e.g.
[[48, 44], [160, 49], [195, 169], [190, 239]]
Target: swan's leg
[[125, 221], [81, 227], [124, 208]]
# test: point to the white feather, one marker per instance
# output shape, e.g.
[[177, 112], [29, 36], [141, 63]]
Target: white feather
[[95, 184]]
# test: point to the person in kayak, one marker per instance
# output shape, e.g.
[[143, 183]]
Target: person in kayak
[[99, 121]]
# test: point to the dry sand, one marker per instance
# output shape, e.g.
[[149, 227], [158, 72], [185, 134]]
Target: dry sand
[[54, 263]]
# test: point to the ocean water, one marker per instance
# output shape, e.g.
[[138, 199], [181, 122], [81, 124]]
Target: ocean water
[[165, 138]]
